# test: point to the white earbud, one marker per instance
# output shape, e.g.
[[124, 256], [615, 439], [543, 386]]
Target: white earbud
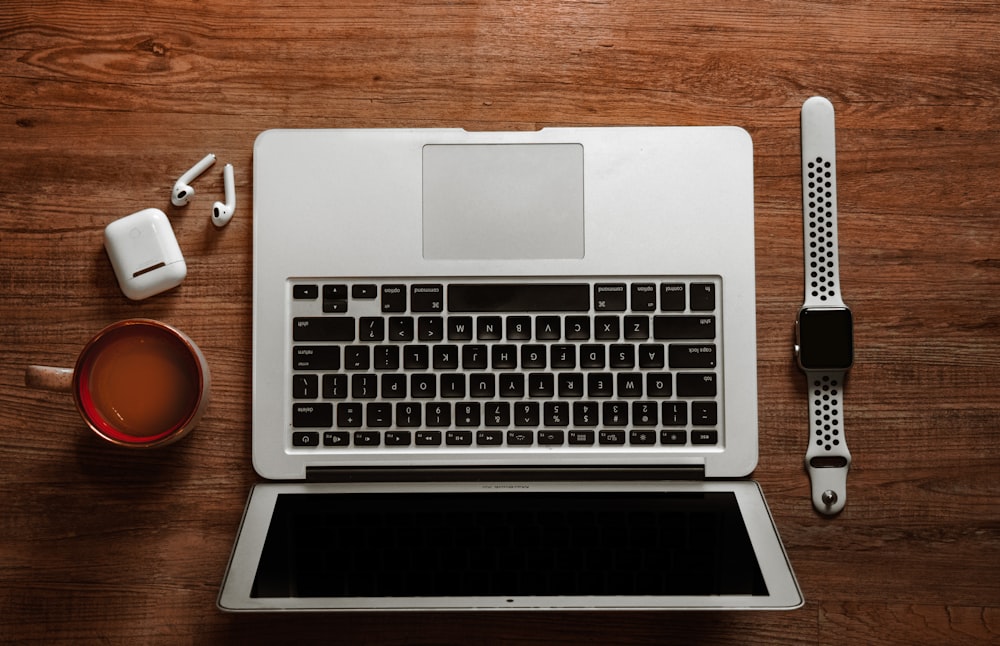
[[182, 188], [223, 213]]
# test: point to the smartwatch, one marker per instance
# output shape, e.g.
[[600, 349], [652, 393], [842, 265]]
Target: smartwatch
[[824, 327]]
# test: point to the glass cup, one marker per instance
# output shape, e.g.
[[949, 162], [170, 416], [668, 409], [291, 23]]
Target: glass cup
[[138, 383]]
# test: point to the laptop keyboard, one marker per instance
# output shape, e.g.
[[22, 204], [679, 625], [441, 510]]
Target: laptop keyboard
[[433, 364]]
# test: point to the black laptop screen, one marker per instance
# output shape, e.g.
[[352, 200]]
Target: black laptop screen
[[507, 544]]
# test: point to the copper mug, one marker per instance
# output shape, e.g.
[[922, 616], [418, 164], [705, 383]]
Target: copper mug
[[138, 383]]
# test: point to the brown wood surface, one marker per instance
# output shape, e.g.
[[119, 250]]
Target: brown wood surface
[[104, 104]]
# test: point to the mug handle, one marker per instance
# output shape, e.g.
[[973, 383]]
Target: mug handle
[[49, 378]]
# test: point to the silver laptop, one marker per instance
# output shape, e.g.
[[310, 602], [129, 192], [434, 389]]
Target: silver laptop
[[505, 370]]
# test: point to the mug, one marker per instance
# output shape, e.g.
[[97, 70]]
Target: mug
[[138, 383]]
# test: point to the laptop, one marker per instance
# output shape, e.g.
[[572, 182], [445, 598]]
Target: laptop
[[505, 370]]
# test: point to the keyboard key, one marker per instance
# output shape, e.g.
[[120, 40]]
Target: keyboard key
[[526, 414], [659, 384], [550, 438], [651, 355], [511, 385], [696, 384], [334, 386], [532, 356], [305, 292], [615, 414], [474, 357], [393, 298], [482, 385], [607, 328], [489, 438], [518, 328], [489, 328], [349, 415], [702, 297], [458, 438], [497, 414], [438, 414], [519, 297], [408, 414], [316, 357], [305, 386], [519, 437], [423, 386], [675, 414], [430, 328], [453, 386], [467, 414], [385, 357], [336, 438], [416, 357], [400, 328], [504, 357], [427, 298], [570, 384], [367, 438], [704, 437], [394, 386], [459, 328], [364, 292], [581, 437], [704, 413], [556, 413], [397, 438], [548, 328], [692, 356], [379, 415], [371, 328], [683, 327], [622, 355], [541, 384], [563, 356], [629, 384], [673, 437], [585, 413], [600, 384], [323, 328], [611, 437], [592, 356], [317, 415], [641, 438], [672, 297], [645, 414], [445, 357], [643, 297], [357, 357], [610, 297], [577, 328], [636, 328], [364, 386], [428, 438], [305, 438]]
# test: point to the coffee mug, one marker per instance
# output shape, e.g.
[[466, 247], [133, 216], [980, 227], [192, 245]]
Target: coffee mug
[[138, 383]]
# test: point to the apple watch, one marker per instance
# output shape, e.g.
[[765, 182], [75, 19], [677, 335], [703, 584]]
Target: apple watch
[[824, 327]]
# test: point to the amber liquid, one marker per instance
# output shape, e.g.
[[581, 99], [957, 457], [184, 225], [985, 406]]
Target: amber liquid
[[144, 382]]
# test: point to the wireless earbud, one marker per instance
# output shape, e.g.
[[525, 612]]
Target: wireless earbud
[[223, 213], [182, 188]]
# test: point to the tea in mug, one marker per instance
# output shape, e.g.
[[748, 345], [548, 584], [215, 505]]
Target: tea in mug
[[141, 382]]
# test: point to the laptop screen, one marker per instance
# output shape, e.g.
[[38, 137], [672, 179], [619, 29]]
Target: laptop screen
[[565, 543]]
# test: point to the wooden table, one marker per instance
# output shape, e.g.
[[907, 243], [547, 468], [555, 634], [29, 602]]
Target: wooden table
[[102, 107]]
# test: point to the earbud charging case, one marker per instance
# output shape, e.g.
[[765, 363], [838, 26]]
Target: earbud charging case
[[144, 253]]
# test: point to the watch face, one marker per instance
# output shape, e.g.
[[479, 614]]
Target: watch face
[[825, 338]]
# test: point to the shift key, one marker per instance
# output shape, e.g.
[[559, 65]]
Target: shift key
[[683, 327], [323, 328]]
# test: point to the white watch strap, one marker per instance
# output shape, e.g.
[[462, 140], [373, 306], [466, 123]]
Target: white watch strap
[[827, 458], [819, 204]]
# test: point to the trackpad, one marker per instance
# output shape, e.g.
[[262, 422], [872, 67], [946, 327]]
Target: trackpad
[[502, 201]]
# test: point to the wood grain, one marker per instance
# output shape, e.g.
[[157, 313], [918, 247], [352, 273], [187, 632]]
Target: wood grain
[[103, 105]]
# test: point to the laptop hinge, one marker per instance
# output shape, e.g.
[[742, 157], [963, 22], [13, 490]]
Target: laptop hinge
[[513, 474]]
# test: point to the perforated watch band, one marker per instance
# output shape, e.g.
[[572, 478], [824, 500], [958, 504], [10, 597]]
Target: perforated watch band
[[827, 458], [819, 204]]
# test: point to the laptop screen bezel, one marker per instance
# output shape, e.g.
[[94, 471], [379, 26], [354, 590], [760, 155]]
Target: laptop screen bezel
[[783, 589]]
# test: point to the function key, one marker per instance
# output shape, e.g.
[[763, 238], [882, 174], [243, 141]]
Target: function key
[[702, 297], [305, 292], [610, 297], [393, 298], [365, 292], [643, 297], [427, 298], [672, 298]]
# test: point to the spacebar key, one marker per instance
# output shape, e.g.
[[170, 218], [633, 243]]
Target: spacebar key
[[323, 328]]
